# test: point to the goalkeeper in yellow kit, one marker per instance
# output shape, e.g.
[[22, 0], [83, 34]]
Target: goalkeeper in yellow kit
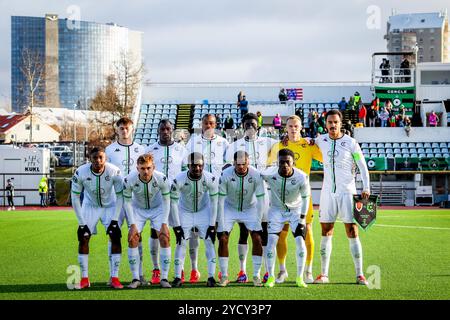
[[304, 154]]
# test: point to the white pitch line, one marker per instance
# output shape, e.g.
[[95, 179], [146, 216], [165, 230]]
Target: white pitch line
[[414, 216], [409, 227]]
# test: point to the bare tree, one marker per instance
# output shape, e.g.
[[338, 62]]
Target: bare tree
[[32, 87], [120, 94]]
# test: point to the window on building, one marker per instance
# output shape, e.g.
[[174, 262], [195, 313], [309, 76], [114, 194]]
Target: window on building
[[431, 30], [38, 127], [27, 127]]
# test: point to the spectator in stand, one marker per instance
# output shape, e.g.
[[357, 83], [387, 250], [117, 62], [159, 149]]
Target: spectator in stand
[[433, 119], [376, 104], [349, 128], [282, 96], [43, 189], [384, 117], [218, 122], [388, 106], [343, 105], [357, 98], [404, 69], [303, 133], [314, 127], [407, 124], [240, 97], [260, 119], [228, 122], [392, 121], [321, 119], [277, 123], [362, 114], [385, 66], [373, 116], [243, 106], [402, 112]]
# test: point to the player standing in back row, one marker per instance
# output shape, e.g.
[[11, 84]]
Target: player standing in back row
[[123, 153], [213, 148], [169, 158], [340, 154]]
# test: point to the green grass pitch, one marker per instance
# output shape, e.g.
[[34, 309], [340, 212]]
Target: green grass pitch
[[411, 248]]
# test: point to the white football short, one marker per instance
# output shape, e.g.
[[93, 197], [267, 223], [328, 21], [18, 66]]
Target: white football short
[[334, 205], [92, 215], [198, 220], [154, 215], [249, 217], [279, 217]]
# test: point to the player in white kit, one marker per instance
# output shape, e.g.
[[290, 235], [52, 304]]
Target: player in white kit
[[289, 201], [169, 158], [102, 186], [241, 200], [194, 196], [123, 153], [213, 148], [340, 154], [147, 198], [258, 149]]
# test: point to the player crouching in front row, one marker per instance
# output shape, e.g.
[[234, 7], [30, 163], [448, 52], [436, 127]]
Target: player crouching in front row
[[147, 197], [289, 196], [196, 191], [102, 184]]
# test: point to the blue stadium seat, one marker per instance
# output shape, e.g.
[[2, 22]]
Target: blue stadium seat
[[419, 145], [435, 145], [380, 145], [414, 155], [403, 145], [411, 145], [427, 145], [395, 145], [405, 151], [442, 145], [413, 150], [388, 145]]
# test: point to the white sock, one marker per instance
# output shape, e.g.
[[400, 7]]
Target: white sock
[[84, 265], [154, 251], [282, 267], [165, 255], [325, 254], [243, 251], [109, 258], [115, 262], [356, 250], [223, 265], [266, 264], [134, 261], [300, 254], [211, 257], [193, 251], [180, 252], [271, 253], [257, 261], [141, 260]]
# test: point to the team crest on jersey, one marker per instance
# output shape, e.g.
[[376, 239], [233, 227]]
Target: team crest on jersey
[[343, 143], [155, 184], [136, 150], [250, 180], [293, 182], [107, 178], [75, 179], [169, 160], [303, 145]]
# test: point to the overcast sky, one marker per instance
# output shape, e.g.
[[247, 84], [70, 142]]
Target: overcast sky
[[236, 40]]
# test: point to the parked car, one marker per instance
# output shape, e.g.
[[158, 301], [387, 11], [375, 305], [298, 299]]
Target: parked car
[[66, 159], [58, 150]]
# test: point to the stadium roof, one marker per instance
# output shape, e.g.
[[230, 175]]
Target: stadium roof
[[417, 21]]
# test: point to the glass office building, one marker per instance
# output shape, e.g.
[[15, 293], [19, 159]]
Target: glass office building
[[78, 56]]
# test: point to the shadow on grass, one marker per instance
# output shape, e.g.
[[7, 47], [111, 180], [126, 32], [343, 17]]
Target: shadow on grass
[[101, 286]]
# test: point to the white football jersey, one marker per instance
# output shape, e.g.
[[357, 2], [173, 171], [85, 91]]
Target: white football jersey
[[170, 160], [258, 150], [241, 191], [124, 156], [213, 151], [99, 189], [193, 195], [146, 195], [339, 158], [287, 193]]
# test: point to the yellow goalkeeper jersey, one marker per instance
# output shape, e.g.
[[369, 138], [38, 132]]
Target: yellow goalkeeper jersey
[[304, 154]]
